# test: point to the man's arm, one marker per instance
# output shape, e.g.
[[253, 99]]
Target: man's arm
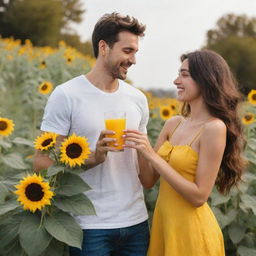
[[42, 161]]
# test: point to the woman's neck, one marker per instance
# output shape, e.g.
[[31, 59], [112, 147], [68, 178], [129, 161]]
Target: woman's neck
[[198, 111]]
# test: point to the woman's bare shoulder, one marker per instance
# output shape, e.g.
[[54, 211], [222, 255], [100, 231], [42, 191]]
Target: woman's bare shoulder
[[215, 125], [170, 125], [214, 129], [174, 120]]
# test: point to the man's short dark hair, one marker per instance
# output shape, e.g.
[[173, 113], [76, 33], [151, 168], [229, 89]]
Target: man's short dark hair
[[108, 27]]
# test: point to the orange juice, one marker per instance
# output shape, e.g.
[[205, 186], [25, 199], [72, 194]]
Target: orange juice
[[116, 125]]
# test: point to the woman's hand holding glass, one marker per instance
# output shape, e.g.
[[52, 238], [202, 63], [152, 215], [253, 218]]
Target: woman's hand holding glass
[[139, 141]]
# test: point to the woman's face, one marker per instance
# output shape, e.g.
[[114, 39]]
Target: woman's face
[[188, 90]]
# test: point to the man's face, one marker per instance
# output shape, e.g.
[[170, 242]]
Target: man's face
[[122, 55]]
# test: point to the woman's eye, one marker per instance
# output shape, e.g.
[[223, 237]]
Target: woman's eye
[[184, 74]]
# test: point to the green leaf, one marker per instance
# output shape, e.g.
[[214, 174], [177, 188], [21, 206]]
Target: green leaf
[[77, 204], [224, 219], [14, 249], [3, 193], [34, 238], [236, 232], [71, 184], [53, 170], [8, 206], [64, 228], [5, 144], [217, 199], [23, 141], [55, 248], [252, 144], [8, 232], [14, 160], [249, 202], [245, 251]]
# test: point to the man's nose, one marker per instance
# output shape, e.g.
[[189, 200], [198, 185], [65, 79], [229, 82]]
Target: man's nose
[[132, 59]]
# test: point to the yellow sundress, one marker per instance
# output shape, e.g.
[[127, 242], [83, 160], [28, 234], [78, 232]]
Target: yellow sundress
[[179, 228]]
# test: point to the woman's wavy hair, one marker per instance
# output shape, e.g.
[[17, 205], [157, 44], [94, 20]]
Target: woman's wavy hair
[[221, 96]]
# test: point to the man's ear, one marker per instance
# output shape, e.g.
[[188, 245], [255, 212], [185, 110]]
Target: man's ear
[[103, 47]]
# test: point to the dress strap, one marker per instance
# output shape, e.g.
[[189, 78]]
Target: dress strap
[[197, 135], [172, 132]]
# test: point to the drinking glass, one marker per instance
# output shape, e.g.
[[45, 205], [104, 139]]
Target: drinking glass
[[116, 121]]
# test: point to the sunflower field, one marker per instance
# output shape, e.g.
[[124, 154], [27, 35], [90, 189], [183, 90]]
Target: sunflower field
[[40, 208]]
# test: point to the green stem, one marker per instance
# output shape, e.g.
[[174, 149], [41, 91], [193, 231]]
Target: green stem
[[42, 218]]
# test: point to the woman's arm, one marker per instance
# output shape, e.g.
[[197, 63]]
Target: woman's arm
[[148, 176], [212, 145]]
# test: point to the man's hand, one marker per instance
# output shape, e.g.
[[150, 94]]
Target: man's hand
[[102, 148]]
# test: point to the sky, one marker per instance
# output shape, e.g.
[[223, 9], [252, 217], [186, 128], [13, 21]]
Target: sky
[[173, 27]]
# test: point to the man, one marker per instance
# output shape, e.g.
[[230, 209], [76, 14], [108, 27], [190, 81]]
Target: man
[[77, 106]]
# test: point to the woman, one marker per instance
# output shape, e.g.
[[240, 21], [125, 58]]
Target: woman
[[194, 151]]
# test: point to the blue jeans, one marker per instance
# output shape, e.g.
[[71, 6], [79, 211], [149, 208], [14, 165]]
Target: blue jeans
[[129, 241]]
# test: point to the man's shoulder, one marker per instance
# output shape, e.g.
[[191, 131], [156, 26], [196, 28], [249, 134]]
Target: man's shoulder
[[133, 90], [75, 81]]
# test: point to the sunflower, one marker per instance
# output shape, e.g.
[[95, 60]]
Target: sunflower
[[33, 193], [6, 126], [248, 118], [69, 59], [152, 114], [252, 97], [42, 64], [45, 141], [45, 87], [74, 150], [165, 112]]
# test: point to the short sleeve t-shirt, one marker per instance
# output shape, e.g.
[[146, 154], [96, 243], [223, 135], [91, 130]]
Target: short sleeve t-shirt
[[78, 107]]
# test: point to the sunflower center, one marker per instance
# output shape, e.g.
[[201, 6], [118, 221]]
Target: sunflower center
[[254, 96], [34, 192], [165, 112], [44, 87], [248, 117], [3, 125], [73, 150], [173, 107], [46, 142]]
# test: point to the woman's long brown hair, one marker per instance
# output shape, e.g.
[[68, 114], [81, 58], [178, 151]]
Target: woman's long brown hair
[[221, 96]]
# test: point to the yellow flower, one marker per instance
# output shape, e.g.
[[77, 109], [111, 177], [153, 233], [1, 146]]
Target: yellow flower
[[69, 59], [46, 141], [42, 64], [33, 193], [252, 97], [6, 126], [248, 118], [152, 114], [45, 87], [165, 112], [74, 150], [61, 44]]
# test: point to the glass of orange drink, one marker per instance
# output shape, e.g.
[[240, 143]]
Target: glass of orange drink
[[116, 121]]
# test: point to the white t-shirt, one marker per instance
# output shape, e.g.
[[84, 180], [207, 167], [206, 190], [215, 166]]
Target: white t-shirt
[[77, 106]]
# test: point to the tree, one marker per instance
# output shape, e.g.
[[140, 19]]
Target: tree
[[41, 21], [232, 25], [234, 38]]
